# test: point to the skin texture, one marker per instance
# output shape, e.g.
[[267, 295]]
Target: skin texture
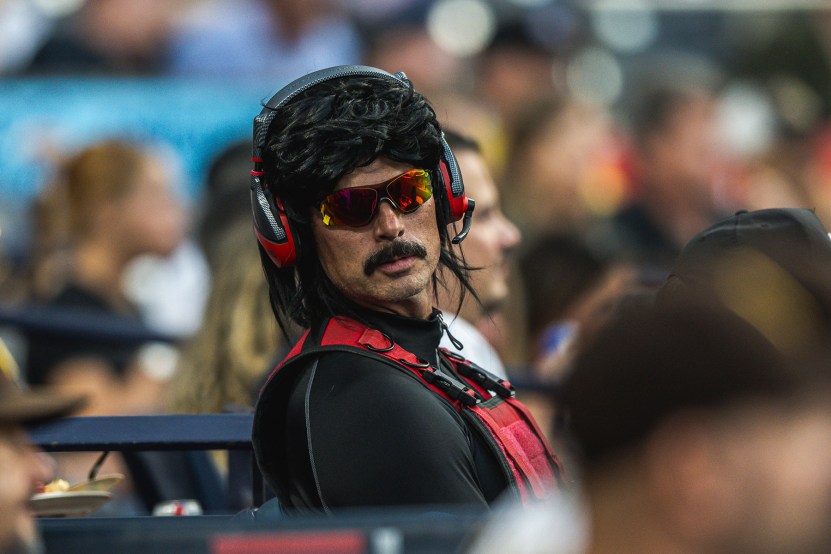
[[23, 467], [400, 286], [491, 237]]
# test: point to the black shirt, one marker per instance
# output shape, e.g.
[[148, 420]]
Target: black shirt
[[80, 323], [360, 432]]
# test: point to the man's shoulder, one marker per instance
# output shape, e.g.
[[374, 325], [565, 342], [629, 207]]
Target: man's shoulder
[[338, 366], [338, 380]]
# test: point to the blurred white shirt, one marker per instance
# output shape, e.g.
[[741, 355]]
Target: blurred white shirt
[[476, 348]]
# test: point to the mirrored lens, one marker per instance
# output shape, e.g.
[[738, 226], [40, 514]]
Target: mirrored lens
[[410, 190], [356, 206], [353, 207]]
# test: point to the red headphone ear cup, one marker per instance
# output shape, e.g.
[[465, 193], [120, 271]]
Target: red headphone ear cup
[[271, 225], [453, 185]]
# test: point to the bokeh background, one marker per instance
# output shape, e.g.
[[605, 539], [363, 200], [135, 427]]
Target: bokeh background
[[186, 77]]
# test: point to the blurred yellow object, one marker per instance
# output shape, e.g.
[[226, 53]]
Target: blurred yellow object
[[7, 364], [56, 485]]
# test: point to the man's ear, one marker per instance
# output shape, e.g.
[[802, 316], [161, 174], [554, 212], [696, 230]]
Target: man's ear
[[691, 489]]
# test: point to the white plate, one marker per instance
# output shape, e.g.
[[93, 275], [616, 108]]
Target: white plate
[[75, 503]]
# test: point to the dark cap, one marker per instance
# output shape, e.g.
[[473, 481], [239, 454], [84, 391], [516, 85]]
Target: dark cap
[[651, 362], [786, 235], [772, 267]]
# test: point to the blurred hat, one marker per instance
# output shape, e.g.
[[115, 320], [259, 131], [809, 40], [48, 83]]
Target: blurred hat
[[27, 406], [649, 363], [772, 267], [786, 235]]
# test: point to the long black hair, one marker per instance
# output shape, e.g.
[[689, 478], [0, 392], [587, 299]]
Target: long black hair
[[321, 135]]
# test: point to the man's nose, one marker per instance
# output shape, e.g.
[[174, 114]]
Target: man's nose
[[388, 224], [511, 235]]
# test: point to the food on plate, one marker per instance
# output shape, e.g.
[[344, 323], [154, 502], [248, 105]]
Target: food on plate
[[55, 485]]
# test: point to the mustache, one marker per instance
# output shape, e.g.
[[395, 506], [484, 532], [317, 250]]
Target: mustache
[[398, 249]]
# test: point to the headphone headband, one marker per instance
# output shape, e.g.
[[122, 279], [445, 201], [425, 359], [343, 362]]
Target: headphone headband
[[301, 84]]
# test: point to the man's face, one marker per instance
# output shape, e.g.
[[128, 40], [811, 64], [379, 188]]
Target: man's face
[[375, 265], [21, 468], [491, 235]]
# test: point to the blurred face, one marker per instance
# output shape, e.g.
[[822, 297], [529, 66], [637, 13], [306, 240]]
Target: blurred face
[[22, 468], [491, 235], [755, 478], [387, 264], [781, 470], [149, 219], [685, 154], [568, 169]]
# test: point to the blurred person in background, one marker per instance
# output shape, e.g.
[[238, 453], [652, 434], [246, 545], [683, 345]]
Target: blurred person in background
[[404, 45], [224, 364], [696, 434], [24, 468], [675, 165], [566, 291], [222, 367], [109, 37], [108, 204], [566, 284], [691, 433], [275, 40], [515, 70], [771, 267], [565, 165], [224, 202], [565, 169], [487, 249]]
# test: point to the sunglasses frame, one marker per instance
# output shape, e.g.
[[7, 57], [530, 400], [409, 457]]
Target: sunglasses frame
[[381, 190]]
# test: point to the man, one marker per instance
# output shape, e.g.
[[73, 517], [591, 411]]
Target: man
[[23, 467], [675, 163], [353, 190], [486, 249], [698, 436]]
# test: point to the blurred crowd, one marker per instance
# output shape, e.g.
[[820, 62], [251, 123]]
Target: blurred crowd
[[606, 159]]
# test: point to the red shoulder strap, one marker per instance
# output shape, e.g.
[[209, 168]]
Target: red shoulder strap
[[345, 331], [295, 350]]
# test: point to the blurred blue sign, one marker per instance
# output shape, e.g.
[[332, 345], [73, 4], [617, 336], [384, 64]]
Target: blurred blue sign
[[42, 119], [196, 118]]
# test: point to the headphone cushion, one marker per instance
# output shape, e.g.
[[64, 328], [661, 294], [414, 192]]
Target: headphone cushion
[[273, 233]]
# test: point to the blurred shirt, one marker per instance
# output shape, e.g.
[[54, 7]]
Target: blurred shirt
[[242, 39]]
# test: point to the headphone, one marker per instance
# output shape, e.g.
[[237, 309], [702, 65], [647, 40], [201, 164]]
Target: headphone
[[271, 224]]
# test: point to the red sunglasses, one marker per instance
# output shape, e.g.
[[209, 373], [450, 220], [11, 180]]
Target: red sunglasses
[[356, 206]]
